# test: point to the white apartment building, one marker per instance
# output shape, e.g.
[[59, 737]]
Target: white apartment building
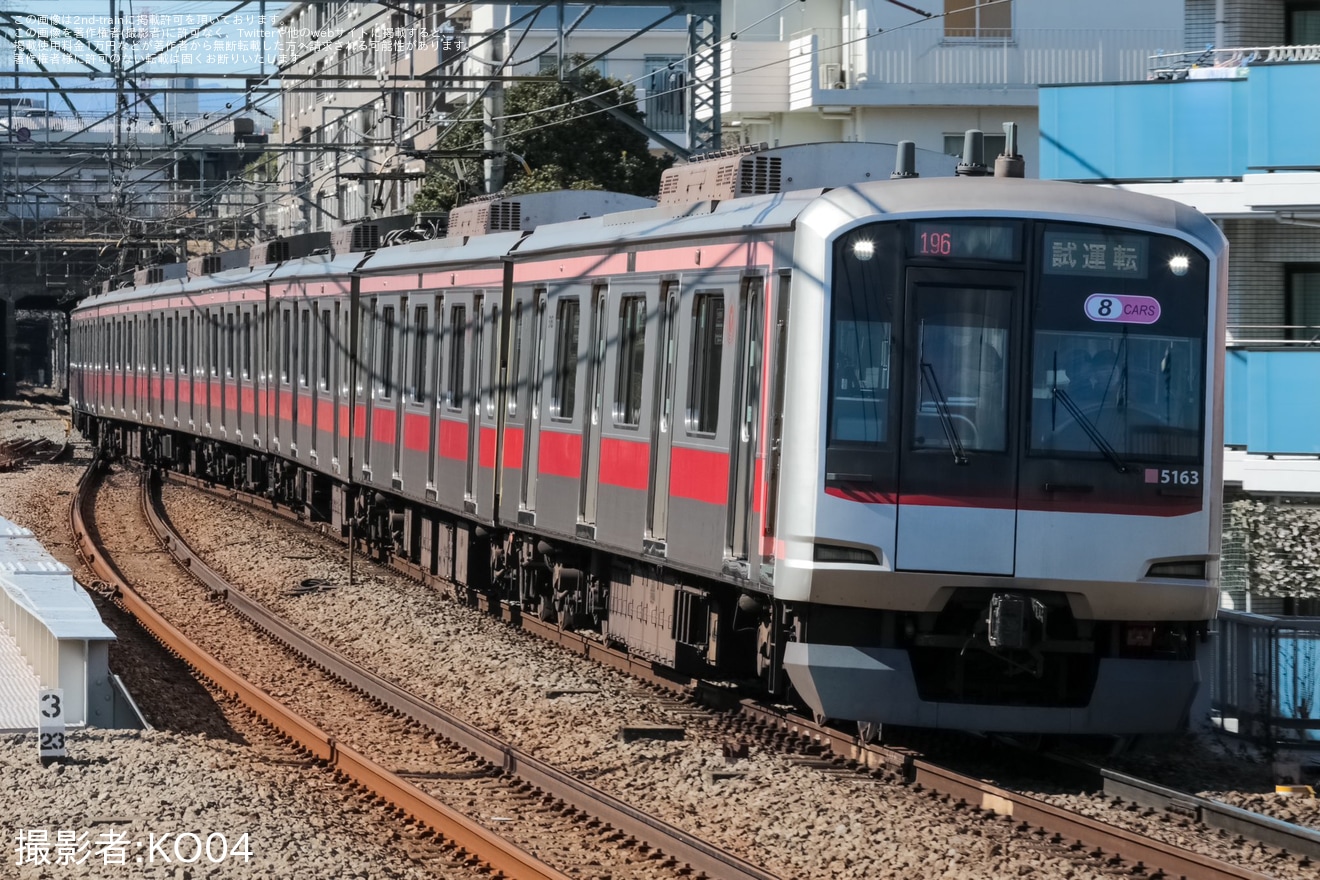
[[814, 70], [874, 70], [362, 101]]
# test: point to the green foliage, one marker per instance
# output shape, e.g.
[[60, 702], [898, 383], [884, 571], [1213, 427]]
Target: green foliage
[[567, 142]]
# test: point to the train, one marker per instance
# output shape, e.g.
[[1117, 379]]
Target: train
[[918, 448]]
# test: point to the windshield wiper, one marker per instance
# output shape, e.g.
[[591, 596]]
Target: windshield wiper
[[1091, 430], [946, 417]]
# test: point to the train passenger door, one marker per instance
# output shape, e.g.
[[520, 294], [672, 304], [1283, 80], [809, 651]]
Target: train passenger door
[[595, 405], [662, 421], [957, 508], [535, 379], [477, 335], [740, 539]]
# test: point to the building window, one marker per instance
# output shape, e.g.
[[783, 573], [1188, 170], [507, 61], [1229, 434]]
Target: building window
[[632, 347], [978, 19], [1302, 26], [703, 403], [666, 90], [1303, 304]]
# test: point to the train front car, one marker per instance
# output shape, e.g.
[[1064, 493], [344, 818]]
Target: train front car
[[1002, 441]]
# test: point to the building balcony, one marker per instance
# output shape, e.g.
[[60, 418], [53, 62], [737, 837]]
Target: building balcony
[[1271, 426], [1224, 122], [922, 65]]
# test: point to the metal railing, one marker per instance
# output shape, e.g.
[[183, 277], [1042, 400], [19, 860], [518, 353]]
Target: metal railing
[[1181, 65], [1274, 335], [926, 54], [1266, 684]]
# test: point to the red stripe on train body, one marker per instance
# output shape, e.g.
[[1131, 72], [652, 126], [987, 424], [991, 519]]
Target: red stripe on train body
[[699, 474], [453, 439], [513, 447], [382, 425], [560, 454], [625, 463], [486, 448], [416, 432]]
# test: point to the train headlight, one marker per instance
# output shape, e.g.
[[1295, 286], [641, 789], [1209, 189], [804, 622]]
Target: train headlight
[[864, 249], [1178, 265]]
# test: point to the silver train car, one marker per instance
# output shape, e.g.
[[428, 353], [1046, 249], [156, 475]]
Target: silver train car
[[936, 452]]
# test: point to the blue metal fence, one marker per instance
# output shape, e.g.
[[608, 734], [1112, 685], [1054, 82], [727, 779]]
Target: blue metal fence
[[1266, 685]]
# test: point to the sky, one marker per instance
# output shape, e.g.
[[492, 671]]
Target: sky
[[234, 46]]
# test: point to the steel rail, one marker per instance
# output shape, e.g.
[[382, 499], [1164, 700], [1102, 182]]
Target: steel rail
[[492, 850], [1296, 839], [1152, 855], [701, 856]]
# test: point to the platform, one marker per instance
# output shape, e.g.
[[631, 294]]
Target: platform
[[18, 687], [52, 637]]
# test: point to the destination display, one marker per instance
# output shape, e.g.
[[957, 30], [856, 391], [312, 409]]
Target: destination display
[[1095, 256], [967, 241]]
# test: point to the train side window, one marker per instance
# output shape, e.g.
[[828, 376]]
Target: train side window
[[183, 343], [215, 345], [386, 365], [494, 376], [305, 349], [230, 336], [169, 344], [632, 353], [437, 371], [515, 370], [155, 344], [422, 327], [703, 403], [286, 346], [457, 339], [247, 345], [325, 350], [563, 391], [535, 379]]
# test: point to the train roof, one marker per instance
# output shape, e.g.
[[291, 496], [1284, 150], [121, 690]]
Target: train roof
[[315, 267], [997, 196], [442, 252], [766, 213], [778, 212]]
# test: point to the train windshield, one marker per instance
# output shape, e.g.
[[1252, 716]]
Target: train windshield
[[962, 340], [1118, 349]]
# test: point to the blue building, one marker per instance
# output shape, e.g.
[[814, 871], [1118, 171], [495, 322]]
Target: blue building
[[1230, 126]]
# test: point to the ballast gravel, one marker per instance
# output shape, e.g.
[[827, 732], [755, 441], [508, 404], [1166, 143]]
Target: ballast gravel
[[206, 769]]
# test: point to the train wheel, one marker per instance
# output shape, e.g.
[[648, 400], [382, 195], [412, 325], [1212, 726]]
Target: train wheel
[[869, 731]]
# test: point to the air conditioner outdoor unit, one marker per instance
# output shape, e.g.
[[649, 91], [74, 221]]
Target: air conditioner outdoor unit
[[831, 76]]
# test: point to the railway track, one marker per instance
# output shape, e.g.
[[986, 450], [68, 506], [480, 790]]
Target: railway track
[[570, 804], [16, 453], [837, 751]]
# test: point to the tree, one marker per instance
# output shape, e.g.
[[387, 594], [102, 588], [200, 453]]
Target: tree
[[568, 143]]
